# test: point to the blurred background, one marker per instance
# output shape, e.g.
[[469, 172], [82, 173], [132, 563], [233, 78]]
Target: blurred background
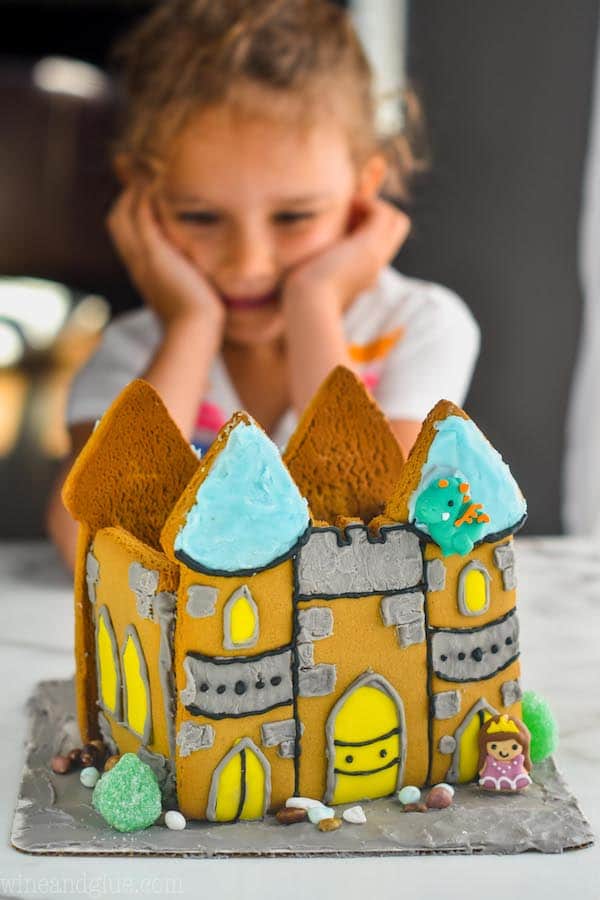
[[505, 218]]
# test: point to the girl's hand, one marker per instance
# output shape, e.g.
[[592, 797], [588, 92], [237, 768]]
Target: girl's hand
[[167, 281], [352, 265]]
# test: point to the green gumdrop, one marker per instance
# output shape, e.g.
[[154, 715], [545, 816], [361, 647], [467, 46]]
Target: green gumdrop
[[128, 795], [540, 721]]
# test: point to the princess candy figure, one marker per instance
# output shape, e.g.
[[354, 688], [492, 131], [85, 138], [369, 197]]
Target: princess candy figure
[[504, 762]]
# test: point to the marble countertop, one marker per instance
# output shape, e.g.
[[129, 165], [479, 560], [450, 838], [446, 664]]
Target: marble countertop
[[559, 611]]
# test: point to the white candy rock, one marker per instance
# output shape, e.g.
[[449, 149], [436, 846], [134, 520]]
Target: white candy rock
[[317, 813], [355, 815], [302, 803], [174, 820]]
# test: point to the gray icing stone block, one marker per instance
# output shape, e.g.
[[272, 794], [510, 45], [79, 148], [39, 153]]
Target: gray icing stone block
[[287, 749], [192, 737], [318, 681], [164, 771], [306, 655], [477, 653], [144, 583], [92, 575], [411, 633], [504, 556], [201, 601], [446, 704], [142, 580], [511, 692], [360, 567], [436, 575], [447, 744], [402, 609], [106, 734], [273, 733], [237, 686], [315, 623], [509, 579]]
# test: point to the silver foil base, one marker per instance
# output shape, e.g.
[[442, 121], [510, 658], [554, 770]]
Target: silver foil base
[[54, 813]]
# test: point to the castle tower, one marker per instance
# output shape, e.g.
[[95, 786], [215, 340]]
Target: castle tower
[[233, 534], [361, 647], [459, 495], [121, 489]]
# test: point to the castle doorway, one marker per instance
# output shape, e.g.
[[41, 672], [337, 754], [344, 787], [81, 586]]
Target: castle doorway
[[241, 784], [466, 754], [366, 741]]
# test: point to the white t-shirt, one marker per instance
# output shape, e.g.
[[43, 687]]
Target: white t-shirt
[[413, 343]]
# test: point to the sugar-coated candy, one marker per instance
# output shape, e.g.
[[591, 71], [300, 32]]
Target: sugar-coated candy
[[542, 726], [128, 795]]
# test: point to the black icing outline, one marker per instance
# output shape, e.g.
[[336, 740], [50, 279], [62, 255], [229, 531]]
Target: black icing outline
[[380, 737], [296, 677], [488, 539], [482, 678], [474, 628], [229, 660], [429, 663], [197, 711], [183, 557], [388, 765]]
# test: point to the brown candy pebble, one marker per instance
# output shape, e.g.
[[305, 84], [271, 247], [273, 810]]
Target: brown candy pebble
[[329, 824], [289, 816], [438, 798], [60, 764], [75, 756], [415, 807], [110, 762]]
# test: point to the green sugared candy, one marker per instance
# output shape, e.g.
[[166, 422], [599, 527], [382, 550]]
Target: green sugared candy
[[540, 721], [128, 795]]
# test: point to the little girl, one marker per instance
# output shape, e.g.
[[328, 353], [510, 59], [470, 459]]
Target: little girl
[[252, 225]]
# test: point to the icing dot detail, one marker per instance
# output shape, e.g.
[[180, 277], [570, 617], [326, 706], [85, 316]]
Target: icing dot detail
[[221, 689], [204, 687], [494, 648], [259, 684], [477, 654], [508, 641], [275, 680], [462, 655], [349, 759], [240, 687]]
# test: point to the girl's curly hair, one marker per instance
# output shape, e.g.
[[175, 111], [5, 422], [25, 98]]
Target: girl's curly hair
[[190, 54]]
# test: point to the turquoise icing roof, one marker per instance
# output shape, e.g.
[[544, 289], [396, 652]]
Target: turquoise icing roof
[[248, 511], [460, 449]]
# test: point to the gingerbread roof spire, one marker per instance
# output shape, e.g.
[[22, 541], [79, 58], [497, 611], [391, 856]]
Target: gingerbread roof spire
[[241, 511], [133, 468], [343, 455]]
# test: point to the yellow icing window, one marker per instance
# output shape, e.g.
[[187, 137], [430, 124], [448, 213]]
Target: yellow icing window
[[239, 785], [240, 625], [473, 589], [107, 661], [136, 693], [468, 745]]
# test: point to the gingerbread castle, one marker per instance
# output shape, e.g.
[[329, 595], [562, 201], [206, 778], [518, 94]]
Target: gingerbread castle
[[335, 624]]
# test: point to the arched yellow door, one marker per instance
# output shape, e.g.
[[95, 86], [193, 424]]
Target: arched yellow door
[[367, 745], [468, 746], [241, 785]]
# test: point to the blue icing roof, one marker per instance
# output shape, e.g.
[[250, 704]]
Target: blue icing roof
[[248, 511], [459, 448]]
